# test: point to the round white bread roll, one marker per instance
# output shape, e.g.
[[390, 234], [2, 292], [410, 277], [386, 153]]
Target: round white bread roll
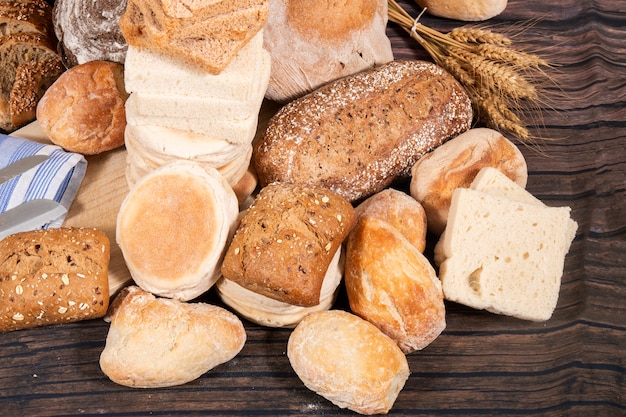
[[465, 10], [456, 163], [158, 342], [348, 361], [173, 227]]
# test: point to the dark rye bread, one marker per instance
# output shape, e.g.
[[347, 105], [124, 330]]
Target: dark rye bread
[[286, 241], [359, 134], [53, 276]]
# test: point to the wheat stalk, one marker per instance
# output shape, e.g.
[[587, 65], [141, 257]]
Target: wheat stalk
[[498, 78]]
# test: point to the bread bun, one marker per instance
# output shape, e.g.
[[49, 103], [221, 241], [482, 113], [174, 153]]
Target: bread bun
[[83, 111], [348, 361], [311, 46], [157, 342], [465, 10], [357, 135], [455, 164], [392, 285], [401, 211], [173, 227], [38, 285]]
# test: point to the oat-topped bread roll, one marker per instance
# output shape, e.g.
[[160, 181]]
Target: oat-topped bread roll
[[348, 361], [89, 30], [455, 164], [285, 251], [391, 284], [362, 132], [173, 226], [205, 33], [158, 342], [53, 276], [312, 45]]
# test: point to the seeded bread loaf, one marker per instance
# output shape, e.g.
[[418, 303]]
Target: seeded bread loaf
[[53, 276], [359, 134], [26, 16]]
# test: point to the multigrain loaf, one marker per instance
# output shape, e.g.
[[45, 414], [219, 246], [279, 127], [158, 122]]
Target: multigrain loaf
[[89, 31], [26, 16], [348, 361], [156, 342], [504, 255], [359, 134], [173, 227], [393, 285], [311, 46], [455, 164], [53, 276]]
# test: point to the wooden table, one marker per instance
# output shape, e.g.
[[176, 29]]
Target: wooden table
[[483, 364]]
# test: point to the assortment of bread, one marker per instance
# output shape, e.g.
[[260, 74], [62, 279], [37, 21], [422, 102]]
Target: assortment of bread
[[185, 102]]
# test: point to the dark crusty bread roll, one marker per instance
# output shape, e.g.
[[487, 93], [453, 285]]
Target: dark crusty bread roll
[[358, 134], [393, 285], [158, 342], [311, 46], [348, 361], [89, 31], [53, 276], [401, 211], [83, 111], [286, 241]]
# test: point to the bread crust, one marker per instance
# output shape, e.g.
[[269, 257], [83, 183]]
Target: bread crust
[[53, 276], [157, 342], [83, 111], [348, 361], [456, 163], [286, 241], [465, 10], [359, 134]]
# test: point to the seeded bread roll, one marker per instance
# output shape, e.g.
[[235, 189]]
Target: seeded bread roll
[[83, 111], [348, 361], [157, 342], [53, 276], [286, 241], [392, 285], [455, 164], [357, 135]]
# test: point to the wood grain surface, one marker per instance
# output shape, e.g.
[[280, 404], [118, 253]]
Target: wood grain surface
[[483, 364]]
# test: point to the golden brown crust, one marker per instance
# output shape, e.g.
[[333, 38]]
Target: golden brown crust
[[392, 285], [358, 134], [83, 111], [464, 10], [348, 361], [53, 276], [399, 210], [286, 241]]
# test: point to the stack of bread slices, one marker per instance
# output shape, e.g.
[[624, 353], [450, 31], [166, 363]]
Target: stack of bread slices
[[182, 107], [29, 63]]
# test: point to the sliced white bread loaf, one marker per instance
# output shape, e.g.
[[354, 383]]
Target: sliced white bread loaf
[[504, 255]]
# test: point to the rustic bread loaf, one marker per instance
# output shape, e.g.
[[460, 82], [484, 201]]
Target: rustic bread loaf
[[83, 111], [348, 361], [392, 285], [53, 276], [207, 35], [455, 164], [173, 227], [401, 211], [157, 342], [26, 16], [89, 31], [465, 10], [286, 241], [311, 46], [360, 133]]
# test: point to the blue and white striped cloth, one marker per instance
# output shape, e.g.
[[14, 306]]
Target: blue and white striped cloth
[[58, 178]]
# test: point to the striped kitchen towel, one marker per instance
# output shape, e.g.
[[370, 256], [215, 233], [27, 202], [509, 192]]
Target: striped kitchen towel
[[58, 178]]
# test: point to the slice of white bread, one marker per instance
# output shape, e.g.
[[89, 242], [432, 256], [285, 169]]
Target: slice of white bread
[[505, 255]]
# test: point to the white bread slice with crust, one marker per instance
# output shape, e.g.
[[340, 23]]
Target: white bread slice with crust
[[505, 255]]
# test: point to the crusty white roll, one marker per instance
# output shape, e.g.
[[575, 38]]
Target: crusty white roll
[[348, 361], [465, 10], [456, 163], [173, 227], [159, 342]]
